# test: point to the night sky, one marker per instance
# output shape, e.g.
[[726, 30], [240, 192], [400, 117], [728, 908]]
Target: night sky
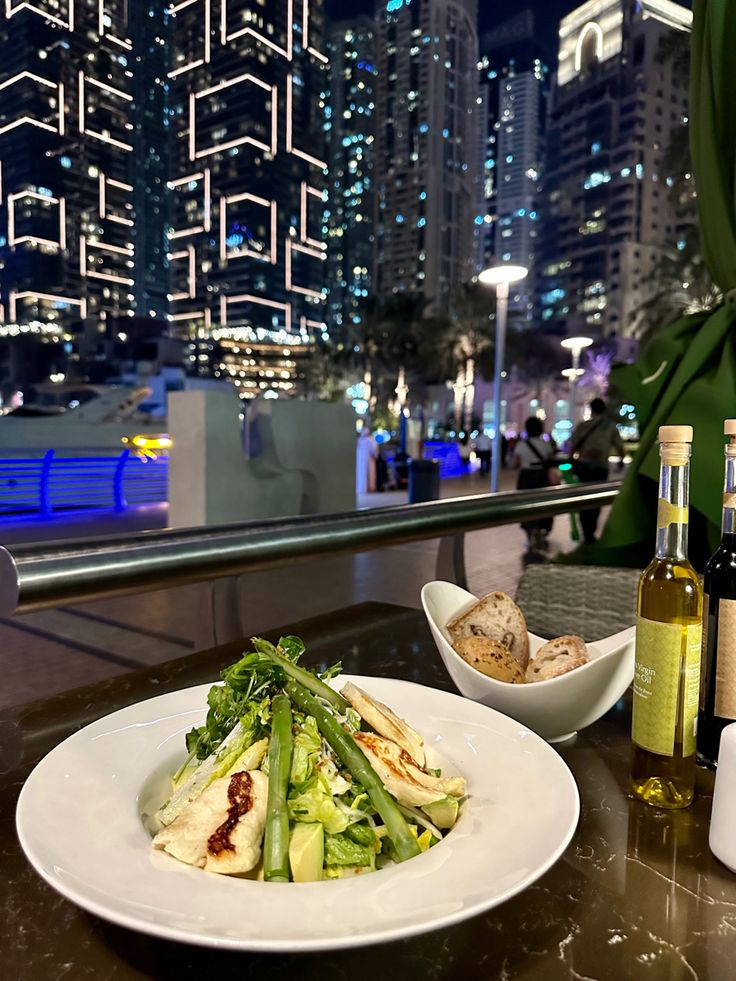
[[547, 13], [492, 12]]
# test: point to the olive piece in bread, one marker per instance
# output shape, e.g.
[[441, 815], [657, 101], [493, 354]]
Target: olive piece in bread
[[557, 657], [496, 617], [491, 658]]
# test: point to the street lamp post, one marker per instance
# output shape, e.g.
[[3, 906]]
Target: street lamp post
[[576, 346], [500, 277]]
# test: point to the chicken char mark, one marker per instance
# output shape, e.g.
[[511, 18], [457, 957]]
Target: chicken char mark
[[240, 795]]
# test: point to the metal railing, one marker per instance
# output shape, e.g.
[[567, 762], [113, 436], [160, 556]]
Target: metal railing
[[34, 577]]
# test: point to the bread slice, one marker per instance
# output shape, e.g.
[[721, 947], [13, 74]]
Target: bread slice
[[497, 617], [557, 657], [490, 658]]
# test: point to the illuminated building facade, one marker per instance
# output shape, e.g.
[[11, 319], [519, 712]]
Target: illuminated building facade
[[350, 127], [514, 83], [607, 211], [150, 58], [428, 150], [67, 247], [247, 244]]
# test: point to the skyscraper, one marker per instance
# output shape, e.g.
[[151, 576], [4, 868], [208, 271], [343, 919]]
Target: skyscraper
[[350, 127], [428, 153], [150, 116], [66, 152], [514, 83], [608, 213], [247, 242]]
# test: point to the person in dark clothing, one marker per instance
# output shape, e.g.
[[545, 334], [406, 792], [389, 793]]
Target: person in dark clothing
[[591, 444], [532, 457]]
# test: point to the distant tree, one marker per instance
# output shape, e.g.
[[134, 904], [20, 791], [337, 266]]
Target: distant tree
[[459, 346], [374, 350], [536, 356], [681, 283]]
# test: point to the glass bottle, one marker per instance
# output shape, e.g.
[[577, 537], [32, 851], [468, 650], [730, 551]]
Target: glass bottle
[[668, 643], [718, 669]]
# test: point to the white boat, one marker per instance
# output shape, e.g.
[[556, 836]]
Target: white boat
[[86, 419]]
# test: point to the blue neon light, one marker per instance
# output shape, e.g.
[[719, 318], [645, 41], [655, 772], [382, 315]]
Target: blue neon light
[[48, 484], [448, 456]]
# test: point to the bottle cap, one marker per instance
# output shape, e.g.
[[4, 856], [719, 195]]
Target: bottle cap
[[675, 434], [729, 427]]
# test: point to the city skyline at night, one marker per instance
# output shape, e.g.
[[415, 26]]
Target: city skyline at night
[[247, 176]]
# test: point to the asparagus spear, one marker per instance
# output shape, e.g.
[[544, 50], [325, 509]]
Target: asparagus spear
[[276, 841], [305, 678], [404, 842]]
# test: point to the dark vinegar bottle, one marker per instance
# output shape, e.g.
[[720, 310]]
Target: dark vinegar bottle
[[718, 664]]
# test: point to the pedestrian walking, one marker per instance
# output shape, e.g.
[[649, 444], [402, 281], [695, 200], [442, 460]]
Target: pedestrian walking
[[533, 456], [592, 442], [483, 446]]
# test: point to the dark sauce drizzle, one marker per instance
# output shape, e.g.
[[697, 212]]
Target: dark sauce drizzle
[[240, 795]]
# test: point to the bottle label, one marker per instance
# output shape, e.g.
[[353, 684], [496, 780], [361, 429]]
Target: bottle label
[[670, 514], [704, 652], [725, 706], [665, 654]]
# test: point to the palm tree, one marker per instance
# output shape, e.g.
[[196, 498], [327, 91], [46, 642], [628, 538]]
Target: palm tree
[[535, 355], [459, 345], [682, 284], [382, 349]]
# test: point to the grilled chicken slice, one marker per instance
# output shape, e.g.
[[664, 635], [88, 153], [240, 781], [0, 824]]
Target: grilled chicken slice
[[222, 830], [384, 721], [408, 783]]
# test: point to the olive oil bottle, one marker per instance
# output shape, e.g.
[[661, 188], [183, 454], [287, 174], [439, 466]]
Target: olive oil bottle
[[668, 643], [718, 670]]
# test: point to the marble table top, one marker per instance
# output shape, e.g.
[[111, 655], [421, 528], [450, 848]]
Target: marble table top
[[637, 894]]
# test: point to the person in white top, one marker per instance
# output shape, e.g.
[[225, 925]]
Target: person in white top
[[365, 463], [483, 447], [533, 457]]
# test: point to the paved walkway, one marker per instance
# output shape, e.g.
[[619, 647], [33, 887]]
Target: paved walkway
[[42, 653]]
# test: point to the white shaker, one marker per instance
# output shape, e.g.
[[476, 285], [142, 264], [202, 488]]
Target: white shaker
[[722, 839]]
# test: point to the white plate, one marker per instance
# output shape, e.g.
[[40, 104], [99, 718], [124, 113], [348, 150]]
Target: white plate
[[79, 823]]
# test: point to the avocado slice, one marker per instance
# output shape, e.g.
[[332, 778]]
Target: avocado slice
[[442, 813], [307, 852]]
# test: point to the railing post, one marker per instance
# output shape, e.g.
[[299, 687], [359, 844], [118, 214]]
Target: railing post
[[44, 500], [118, 493], [451, 560]]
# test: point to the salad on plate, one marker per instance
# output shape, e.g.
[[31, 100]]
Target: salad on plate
[[289, 780]]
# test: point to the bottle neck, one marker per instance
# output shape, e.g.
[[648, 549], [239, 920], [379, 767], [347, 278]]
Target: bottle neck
[[728, 524], [672, 512]]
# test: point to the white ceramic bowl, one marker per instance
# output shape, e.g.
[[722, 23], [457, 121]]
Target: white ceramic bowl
[[554, 709]]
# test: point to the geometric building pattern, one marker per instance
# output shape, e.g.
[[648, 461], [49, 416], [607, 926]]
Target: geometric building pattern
[[66, 221], [247, 241]]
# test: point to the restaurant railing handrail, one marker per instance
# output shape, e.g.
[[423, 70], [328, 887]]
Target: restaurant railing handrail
[[39, 576]]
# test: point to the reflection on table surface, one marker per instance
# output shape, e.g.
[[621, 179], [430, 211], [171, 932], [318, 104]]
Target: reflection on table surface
[[636, 895]]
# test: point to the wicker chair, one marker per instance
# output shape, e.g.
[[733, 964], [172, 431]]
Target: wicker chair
[[590, 601]]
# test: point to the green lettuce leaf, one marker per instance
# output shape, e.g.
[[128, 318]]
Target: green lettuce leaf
[[342, 850], [307, 747], [291, 647], [316, 804]]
